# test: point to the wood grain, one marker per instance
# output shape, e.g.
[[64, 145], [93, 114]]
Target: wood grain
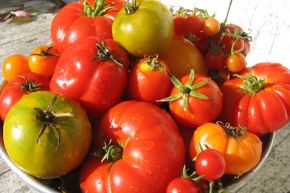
[[269, 24]]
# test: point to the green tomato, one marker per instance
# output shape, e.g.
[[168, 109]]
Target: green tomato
[[47, 135], [143, 29]]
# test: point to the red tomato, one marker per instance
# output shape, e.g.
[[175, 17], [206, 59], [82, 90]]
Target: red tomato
[[16, 88], [81, 22], [97, 77], [210, 164], [194, 25], [149, 80], [260, 102], [153, 150], [180, 25], [14, 65], [182, 185], [194, 100], [215, 60]]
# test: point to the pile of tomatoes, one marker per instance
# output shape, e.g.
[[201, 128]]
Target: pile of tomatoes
[[142, 99]]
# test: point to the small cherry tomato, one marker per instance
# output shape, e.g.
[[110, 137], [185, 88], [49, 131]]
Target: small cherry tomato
[[236, 62], [182, 185], [42, 60], [179, 25], [211, 26], [215, 60], [210, 164], [14, 65], [195, 24], [149, 80]]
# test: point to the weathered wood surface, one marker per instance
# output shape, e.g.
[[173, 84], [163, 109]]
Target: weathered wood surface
[[269, 23]]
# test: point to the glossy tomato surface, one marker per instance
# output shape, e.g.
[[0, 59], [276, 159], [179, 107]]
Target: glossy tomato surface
[[61, 146], [153, 150], [97, 82], [266, 106], [14, 65]]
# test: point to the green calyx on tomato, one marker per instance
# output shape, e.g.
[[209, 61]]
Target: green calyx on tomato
[[252, 84], [100, 8], [45, 53], [104, 54], [29, 85], [231, 130], [112, 152], [131, 7], [153, 63], [186, 90]]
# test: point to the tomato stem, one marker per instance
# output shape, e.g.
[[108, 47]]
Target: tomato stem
[[153, 62], [252, 84], [211, 183], [45, 53], [112, 152], [29, 85], [100, 8], [131, 7], [231, 130], [228, 12]]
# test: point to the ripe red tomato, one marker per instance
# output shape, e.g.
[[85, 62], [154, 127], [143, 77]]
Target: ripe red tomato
[[195, 25], [94, 72], [16, 88], [179, 22], [42, 60], [194, 100], [14, 65], [215, 60], [261, 101], [210, 164], [82, 21], [149, 80], [153, 150], [182, 185]]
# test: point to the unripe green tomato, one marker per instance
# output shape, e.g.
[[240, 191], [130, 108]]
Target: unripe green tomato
[[146, 30], [61, 147]]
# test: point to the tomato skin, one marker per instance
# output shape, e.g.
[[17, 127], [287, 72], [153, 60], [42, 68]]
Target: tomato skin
[[146, 31], [199, 110], [215, 60], [152, 148], [265, 112], [194, 25], [42, 63], [182, 185], [46, 158], [180, 25], [97, 84], [147, 84], [241, 153], [211, 26], [14, 65], [210, 164], [181, 56], [12, 91], [77, 26], [236, 62]]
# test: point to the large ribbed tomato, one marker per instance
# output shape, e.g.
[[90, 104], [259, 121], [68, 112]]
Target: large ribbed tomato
[[242, 150], [259, 99], [153, 151]]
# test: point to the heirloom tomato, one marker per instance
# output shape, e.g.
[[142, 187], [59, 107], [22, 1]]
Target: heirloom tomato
[[194, 100], [94, 72], [143, 29], [259, 99], [181, 56], [149, 80], [78, 21], [148, 151], [241, 150], [14, 65], [16, 88], [42, 60], [46, 135]]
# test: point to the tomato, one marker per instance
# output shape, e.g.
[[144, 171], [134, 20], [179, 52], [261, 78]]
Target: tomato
[[211, 26], [18, 87], [242, 150], [14, 65], [195, 25], [182, 56], [182, 185], [149, 80], [42, 60], [82, 21], [46, 135], [236, 62], [259, 100], [220, 76], [179, 23], [153, 151], [143, 29], [194, 100], [215, 60], [94, 72], [210, 164]]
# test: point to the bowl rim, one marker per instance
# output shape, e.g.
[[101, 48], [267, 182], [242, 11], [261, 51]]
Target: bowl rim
[[36, 183]]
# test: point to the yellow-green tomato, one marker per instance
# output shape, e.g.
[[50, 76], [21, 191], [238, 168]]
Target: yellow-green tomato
[[47, 135], [143, 28]]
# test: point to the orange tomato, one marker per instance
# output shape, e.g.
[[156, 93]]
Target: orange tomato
[[181, 56], [14, 65], [242, 150], [42, 60]]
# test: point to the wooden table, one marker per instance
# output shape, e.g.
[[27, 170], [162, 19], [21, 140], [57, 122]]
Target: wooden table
[[269, 22]]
